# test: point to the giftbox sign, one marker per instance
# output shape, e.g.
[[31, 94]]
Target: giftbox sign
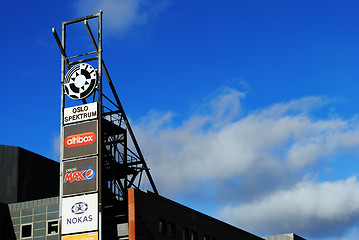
[[80, 140]]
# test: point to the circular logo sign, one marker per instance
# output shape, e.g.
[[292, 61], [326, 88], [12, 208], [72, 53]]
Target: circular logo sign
[[89, 174], [79, 208], [80, 81]]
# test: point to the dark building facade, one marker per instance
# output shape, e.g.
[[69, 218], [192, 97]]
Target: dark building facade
[[29, 185], [6, 227], [150, 217], [154, 217], [26, 176]]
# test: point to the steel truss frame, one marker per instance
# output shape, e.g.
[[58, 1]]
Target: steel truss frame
[[121, 163]]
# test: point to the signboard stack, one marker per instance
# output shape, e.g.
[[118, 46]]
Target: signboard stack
[[79, 183]]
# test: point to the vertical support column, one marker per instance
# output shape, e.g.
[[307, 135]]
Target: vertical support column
[[126, 183], [63, 63], [100, 133], [131, 215]]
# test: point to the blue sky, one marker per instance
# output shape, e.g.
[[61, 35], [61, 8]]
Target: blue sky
[[245, 110]]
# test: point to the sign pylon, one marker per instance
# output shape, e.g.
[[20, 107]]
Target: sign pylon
[[100, 156]]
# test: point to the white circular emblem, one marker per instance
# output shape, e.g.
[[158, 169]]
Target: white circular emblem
[[80, 81]]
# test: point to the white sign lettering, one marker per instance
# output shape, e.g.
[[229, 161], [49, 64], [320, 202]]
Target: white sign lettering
[[80, 113]]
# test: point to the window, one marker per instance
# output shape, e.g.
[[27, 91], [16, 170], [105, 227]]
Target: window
[[185, 234], [162, 226], [52, 227], [26, 231], [172, 230], [122, 230], [194, 235]]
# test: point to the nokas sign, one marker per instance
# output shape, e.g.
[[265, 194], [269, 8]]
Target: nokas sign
[[80, 213], [80, 140]]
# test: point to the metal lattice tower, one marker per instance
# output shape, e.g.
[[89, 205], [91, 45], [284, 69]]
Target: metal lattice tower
[[121, 164]]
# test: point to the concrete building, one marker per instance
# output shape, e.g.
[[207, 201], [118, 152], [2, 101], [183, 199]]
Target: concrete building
[[37, 219], [31, 211], [149, 217]]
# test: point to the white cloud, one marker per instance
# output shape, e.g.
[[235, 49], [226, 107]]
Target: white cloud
[[56, 147], [256, 162], [122, 15], [308, 207], [216, 145]]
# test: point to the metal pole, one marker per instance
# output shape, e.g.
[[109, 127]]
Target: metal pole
[[83, 18], [63, 63], [100, 134], [62, 48]]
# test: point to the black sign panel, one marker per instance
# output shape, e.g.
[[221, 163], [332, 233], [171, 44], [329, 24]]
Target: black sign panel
[[80, 140], [79, 176]]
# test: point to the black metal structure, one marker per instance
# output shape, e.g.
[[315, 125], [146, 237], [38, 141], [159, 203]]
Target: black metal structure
[[121, 163]]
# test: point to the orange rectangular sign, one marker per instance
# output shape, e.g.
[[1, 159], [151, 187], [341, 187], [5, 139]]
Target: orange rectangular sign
[[84, 236]]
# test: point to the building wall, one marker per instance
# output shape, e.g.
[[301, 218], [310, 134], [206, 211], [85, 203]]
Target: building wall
[[36, 220], [9, 157], [26, 176], [38, 176], [6, 227], [149, 217], [30, 184], [155, 217]]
